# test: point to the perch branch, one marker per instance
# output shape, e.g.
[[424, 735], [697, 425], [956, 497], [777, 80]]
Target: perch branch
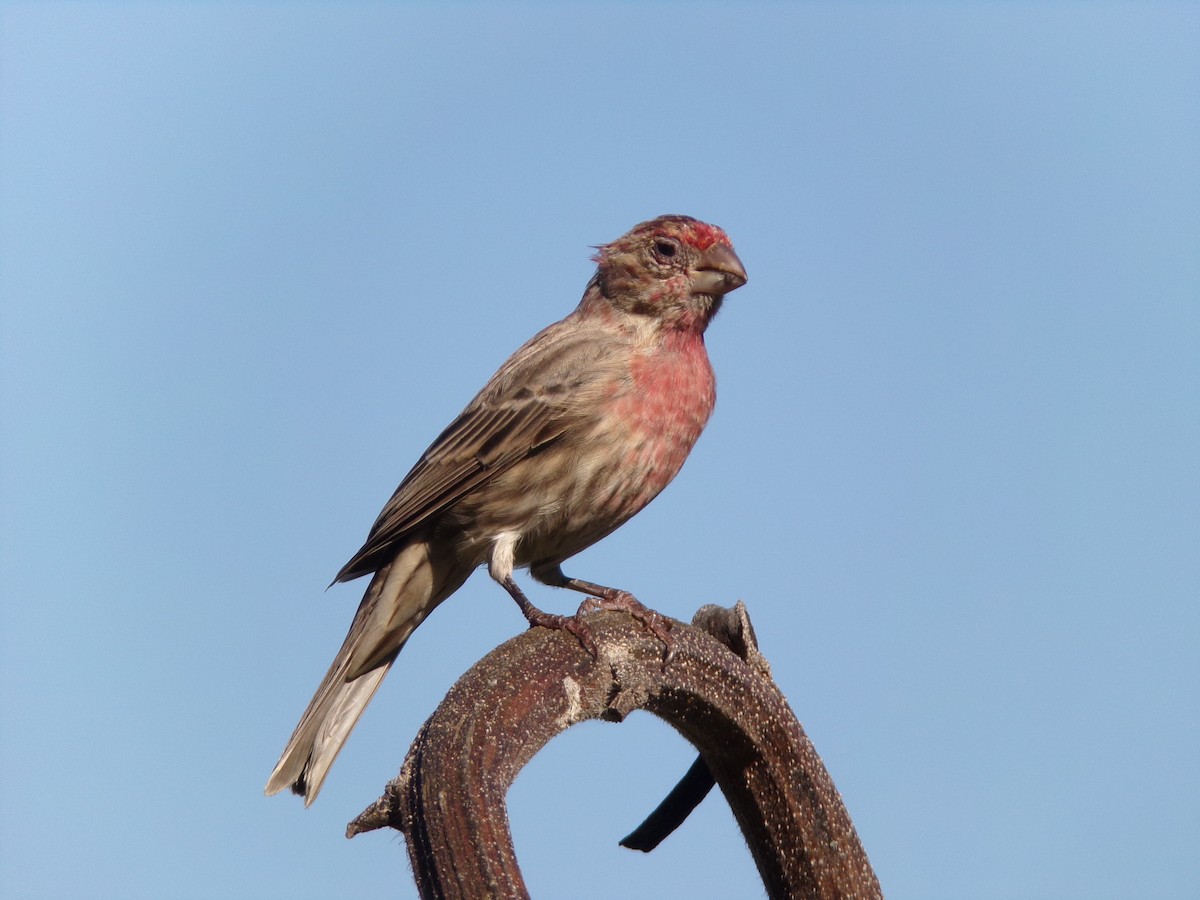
[[448, 799]]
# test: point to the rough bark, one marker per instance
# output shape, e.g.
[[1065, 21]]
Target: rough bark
[[448, 799]]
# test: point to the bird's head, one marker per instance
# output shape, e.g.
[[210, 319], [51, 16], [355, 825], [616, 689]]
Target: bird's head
[[675, 269]]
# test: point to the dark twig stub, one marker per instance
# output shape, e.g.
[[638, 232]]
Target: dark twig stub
[[449, 797]]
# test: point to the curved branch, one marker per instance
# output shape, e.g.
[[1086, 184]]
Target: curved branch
[[449, 797]]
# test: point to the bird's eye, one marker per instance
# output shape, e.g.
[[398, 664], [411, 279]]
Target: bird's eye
[[665, 249]]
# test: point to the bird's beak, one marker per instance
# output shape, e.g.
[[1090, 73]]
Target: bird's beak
[[719, 271]]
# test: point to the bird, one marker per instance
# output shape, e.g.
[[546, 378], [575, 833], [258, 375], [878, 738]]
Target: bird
[[577, 431]]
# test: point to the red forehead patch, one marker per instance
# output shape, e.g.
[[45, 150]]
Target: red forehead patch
[[701, 235], [692, 232]]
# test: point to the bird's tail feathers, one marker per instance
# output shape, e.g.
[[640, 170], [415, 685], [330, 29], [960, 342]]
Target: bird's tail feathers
[[400, 596]]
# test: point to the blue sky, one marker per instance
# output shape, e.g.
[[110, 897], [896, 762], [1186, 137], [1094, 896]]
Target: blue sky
[[253, 257]]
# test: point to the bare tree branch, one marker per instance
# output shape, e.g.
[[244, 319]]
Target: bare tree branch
[[693, 787], [449, 797]]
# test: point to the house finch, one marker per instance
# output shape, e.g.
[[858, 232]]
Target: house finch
[[577, 431]]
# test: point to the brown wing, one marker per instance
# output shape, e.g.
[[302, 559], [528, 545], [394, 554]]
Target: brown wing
[[505, 423]]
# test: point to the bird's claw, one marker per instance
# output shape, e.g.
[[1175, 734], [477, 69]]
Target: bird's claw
[[623, 601], [572, 624], [612, 599]]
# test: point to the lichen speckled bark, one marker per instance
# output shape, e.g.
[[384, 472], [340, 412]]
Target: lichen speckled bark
[[449, 797]]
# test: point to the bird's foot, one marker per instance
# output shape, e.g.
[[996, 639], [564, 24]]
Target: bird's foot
[[573, 624], [605, 598], [538, 619], [623, 601]]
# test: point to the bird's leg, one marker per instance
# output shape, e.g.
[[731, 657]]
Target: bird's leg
[[601, 597], [535, 617]]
